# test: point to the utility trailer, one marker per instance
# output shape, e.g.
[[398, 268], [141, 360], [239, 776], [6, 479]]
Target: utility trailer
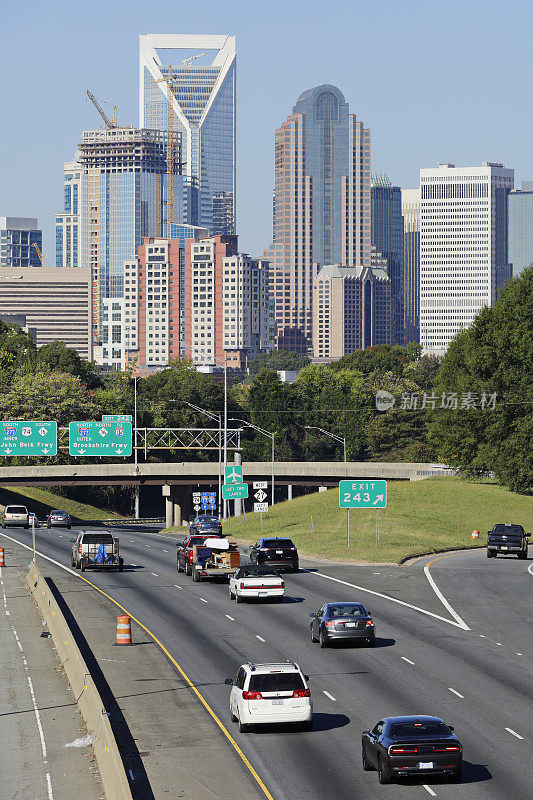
[[215, 558]]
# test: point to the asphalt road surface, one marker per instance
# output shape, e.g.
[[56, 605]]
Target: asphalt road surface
[[456, 642]]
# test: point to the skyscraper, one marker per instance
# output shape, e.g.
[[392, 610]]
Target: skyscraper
[[463, 247], [387, 238], [203, 115], [321, 205], [520, 227], [67, 223], [17, 237], [411, 264]]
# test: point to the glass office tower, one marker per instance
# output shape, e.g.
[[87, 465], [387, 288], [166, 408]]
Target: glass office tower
[[321, 206], [387, 238], [520, 227], [203, 114], [17, 237]]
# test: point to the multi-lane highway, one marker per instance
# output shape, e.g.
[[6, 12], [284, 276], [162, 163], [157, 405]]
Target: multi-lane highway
[[454, 640]]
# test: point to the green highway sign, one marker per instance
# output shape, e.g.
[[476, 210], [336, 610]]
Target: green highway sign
[[21, 438], [363, 494], [117, 418], [234, 491], [233, 475], [99, 439]]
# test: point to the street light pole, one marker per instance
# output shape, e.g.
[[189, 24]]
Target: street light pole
[[333, 436], [266, 433], [218, 416], [137, 487]]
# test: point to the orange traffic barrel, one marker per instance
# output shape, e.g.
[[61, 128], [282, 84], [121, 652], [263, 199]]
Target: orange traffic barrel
[[123, 629], [2, 562], [475, 534]]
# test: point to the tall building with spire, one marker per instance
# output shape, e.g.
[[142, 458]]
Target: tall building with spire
[[203, 70], [321, 206]]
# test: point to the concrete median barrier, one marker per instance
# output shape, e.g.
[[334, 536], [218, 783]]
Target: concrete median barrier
[[84, 690]]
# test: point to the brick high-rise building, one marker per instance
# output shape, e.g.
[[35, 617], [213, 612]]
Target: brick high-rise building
[[321, 206]]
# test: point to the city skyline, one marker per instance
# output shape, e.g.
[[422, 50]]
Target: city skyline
[[269, 79]]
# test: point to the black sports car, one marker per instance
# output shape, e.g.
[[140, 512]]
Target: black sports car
[[400, 746], [336, 621]]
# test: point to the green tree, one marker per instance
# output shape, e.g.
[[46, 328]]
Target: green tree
[[278, 360], [382, 358], [48, 396], [58, 357]]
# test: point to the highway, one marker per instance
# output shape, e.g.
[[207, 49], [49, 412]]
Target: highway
[[470, 662]]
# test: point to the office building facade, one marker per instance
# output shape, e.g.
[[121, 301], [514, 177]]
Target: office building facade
[[463, 247], [321, 206], [18, 235], [351, 310], [56, 304], [411, 264], [387, 238], [68, 221], [520, 227], [203, 117]]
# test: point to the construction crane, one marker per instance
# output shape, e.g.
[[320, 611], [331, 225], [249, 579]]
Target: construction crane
[[41, 259], [109, 123], [192, 58]]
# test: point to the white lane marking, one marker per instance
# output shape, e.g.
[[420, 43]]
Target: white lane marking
[[376, 573], [231, 618], [481, 635], [147, 545], [49, 786], [178, 587], [429, 789], [519, 654], [408, 660], [202, 599], [514, 733], [154, 574], [329, 695], [260, 638], [499, 644], [385, 597], [457, 693], [165, 551], [132, 541], [38, 718], [530, 568], [460, 622], [17, 638]]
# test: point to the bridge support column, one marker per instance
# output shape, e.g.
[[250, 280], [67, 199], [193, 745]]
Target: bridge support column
[[289, 491], [179, 502]]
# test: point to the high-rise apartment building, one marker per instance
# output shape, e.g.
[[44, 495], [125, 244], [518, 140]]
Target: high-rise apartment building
[[387, 238], [196, 298], [68, 222], [203, 116], [520, 227], [17, 237], [463, 247], [351, 310], [411, 264], [321, 206]]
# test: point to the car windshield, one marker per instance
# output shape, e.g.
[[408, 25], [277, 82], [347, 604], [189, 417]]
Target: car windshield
[[255, 572], [418, 728], [276, 682], [16, 510], [279, 543], [346, 610], [514, 530]]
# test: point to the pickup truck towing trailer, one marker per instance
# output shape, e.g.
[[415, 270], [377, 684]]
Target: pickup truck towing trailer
[[215, 558], [96, 550]]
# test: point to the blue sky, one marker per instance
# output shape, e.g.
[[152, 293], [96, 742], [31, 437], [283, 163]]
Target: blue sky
[[434, 81]]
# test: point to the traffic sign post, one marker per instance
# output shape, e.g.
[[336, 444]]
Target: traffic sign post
[[235, 491], [362, 494], [100, 439], [21, 438]]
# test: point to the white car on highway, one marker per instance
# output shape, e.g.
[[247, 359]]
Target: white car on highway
[[256, 582], [264, 694]]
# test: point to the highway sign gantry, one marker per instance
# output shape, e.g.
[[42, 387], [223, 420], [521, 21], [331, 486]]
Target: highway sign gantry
[[363, 494], [22, 438], [233, 474], [234, 491], [100, 439]]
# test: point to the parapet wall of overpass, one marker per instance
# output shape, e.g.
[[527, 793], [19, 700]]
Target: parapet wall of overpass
[[303, 473]]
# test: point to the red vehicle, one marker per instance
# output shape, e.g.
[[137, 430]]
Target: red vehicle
[[184, 555]]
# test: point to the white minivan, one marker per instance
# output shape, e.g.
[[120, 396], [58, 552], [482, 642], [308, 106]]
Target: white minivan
[[264, 694]]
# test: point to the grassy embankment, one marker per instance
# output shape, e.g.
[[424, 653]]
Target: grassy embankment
[[421, 516], [41, 501]]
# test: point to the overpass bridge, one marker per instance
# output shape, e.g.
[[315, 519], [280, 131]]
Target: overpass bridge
[[176, 479]]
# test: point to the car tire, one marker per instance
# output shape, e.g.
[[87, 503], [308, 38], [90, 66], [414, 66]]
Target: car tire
[[72, 562], [522, 556], [233, 717], [69, 527], [489, 553], [384, 772], [322, 639], [456, 774], [371, 642], [188, 569], [195, 575], [313, 637], [307, 726], [26, 527], [230, 594], [278, 599], [77, 564], [121, 565], [238, 598], [296, 568], [367, 766], [242, 727], [48, 525], [82, 565]]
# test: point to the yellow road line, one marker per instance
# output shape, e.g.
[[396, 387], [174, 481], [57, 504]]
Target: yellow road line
[[200, 697], [450, 555]]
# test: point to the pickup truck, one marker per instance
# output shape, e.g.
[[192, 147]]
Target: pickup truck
[[507, 538], [184, 553], [96, 550], [214, 558]]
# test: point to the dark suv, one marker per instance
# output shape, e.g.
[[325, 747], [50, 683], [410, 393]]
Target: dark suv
[[276, 552], [507, 539]]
